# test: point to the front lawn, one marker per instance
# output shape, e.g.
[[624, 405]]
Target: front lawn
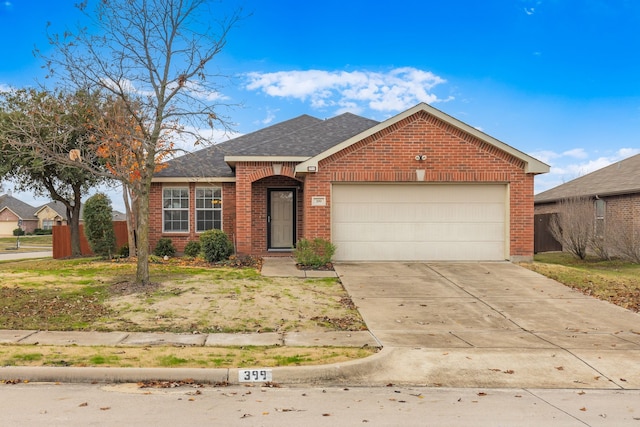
[[89, 294], [615, 281]]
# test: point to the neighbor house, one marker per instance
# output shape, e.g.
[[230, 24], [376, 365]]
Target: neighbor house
[[15, 213], [53, 213], [419, 186], [614, 190]]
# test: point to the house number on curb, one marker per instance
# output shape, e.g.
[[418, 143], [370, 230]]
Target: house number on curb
[[254, 375]]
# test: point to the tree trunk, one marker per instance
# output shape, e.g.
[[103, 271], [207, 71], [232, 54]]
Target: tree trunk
[[142, 271], [131, 220], [73, 216]]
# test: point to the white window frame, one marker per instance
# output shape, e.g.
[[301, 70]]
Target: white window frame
[[169, 205], [214, 205]]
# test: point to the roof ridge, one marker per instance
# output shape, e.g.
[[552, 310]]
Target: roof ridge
[[280, 136]]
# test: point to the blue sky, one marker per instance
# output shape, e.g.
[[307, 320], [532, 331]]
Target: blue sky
[[557, 79]]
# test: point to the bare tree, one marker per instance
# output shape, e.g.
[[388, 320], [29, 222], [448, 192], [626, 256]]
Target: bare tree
[[625, 238], [153, 59], [573, 226]]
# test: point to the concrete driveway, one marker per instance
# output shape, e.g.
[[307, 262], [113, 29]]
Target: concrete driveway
[[490, 325]]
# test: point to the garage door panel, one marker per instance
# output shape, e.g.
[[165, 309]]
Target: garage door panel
[[425, 232], [435, 212], [415, 251], [419, 222]]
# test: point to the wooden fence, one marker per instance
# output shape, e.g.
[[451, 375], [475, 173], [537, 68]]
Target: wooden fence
[[62, 239], [543, 239]]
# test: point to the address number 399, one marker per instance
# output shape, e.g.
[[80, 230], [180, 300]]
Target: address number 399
[[255, 375]]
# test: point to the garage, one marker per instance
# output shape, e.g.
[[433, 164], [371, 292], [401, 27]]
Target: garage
[[7, 227], [419, 221]]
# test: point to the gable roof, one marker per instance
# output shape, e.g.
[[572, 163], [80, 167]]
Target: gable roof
[[306, 140], [55, 206], [294, 140], [618, 178], [21, 209], [532, 165]]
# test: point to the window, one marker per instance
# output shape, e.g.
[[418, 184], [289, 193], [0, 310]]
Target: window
[[47, 224], [208, 209], [175, 209], [601, 209]]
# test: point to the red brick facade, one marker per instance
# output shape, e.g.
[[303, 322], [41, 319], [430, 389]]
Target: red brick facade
[[452, 156], [386, 156]]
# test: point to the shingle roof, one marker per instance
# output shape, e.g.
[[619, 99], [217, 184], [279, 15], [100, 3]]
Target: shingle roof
[[18, 207], [56, 206], [209, 162], [622, 177], [303, 136]]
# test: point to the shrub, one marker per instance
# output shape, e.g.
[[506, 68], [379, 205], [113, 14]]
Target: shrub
[[123, 252], [164, 247], [192, 249], [18, 232], [98, 225], [314, 253], [216, 245], [42, 232]]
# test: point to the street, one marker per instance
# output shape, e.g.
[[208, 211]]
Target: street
[[128, 404]]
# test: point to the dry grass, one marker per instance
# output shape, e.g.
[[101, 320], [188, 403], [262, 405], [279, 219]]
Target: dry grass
[[171, 357], [615, 281]]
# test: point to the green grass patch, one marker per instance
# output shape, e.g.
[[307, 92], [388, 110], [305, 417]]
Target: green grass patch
[[615, 281]]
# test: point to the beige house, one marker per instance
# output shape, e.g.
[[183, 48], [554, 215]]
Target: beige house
[[53, 213]]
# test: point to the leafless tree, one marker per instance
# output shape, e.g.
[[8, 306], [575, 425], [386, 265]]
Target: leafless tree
[[154, 59], [625, 238], [573, 226]]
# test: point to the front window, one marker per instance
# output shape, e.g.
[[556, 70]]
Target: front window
[[175, 209], [47, 224], [208, 209]]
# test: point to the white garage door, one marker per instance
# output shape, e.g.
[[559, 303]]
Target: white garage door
[[7, 227], [402, 222]]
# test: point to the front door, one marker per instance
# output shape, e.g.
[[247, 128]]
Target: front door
[[281, 218]]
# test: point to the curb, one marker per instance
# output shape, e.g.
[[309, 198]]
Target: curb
[[337, 373]]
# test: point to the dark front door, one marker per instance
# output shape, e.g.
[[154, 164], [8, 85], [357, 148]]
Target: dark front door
[[281, 218]]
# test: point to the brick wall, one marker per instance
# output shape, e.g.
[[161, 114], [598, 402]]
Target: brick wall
[[452, 156], [180, 240], [253, 179]]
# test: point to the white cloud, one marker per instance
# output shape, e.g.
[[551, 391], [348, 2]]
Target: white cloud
[[271, 115], [529, 10], [578, 153], [391, 91]]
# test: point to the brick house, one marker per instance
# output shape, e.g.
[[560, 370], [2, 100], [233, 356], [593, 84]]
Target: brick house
[[15, 213], [615, 191], [421, 185]]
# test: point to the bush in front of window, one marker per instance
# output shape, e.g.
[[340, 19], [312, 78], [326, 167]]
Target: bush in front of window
[[192, 249], [216, 245], [164, 247], [314, 253]]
